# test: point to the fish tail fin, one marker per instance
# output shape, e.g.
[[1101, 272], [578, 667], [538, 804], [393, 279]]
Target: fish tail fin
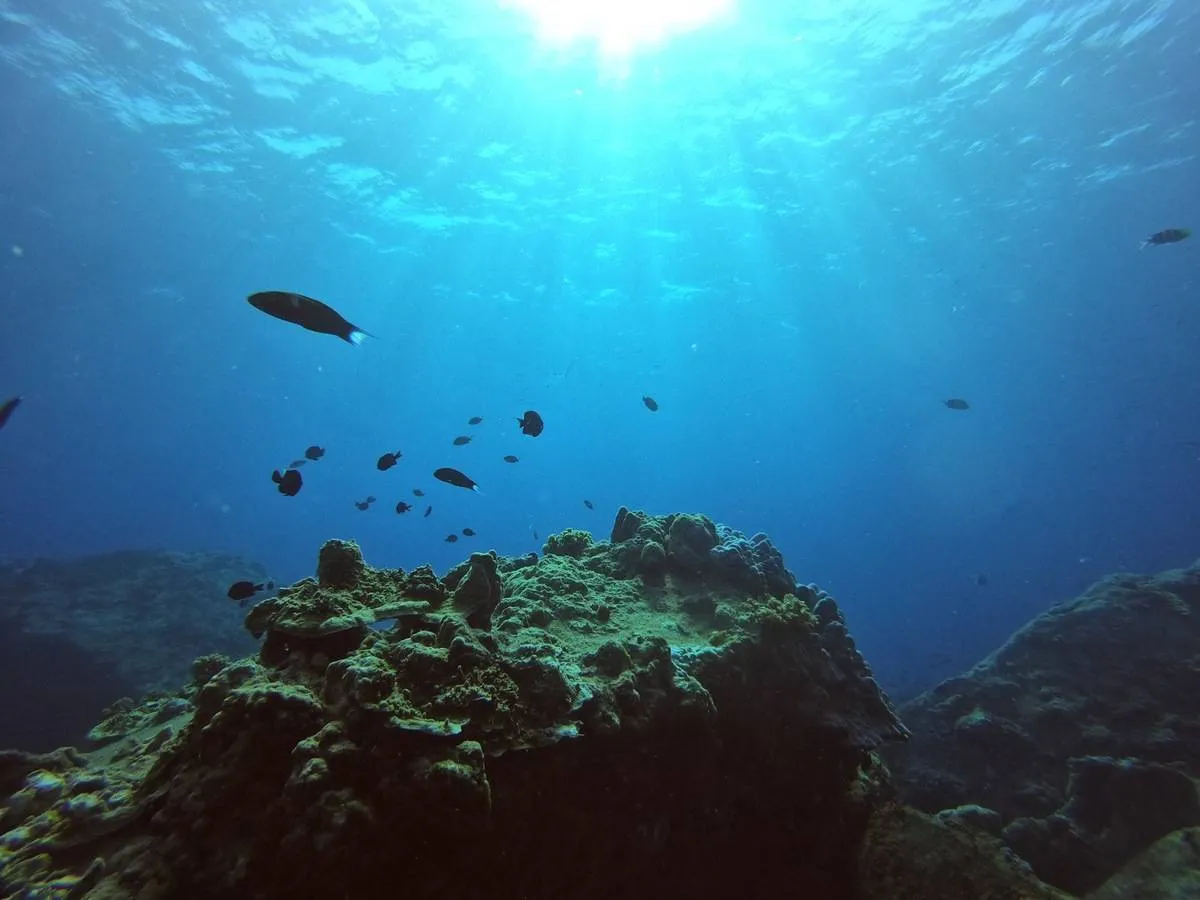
[[356, 335], [477, 490]]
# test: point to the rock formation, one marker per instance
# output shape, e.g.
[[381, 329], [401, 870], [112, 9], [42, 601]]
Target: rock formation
[[667, 713]]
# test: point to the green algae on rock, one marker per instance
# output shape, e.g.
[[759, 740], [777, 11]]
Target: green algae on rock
[[1168, 870], [685, 720], [572, 542], [332, 613], [907, 854]]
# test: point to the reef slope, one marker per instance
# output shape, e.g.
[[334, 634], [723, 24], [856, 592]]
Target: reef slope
[[1080, 737]]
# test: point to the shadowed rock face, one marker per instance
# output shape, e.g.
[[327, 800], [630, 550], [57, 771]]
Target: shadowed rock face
[[54, 690], [76, 635], [143, 614], [1081, 731]]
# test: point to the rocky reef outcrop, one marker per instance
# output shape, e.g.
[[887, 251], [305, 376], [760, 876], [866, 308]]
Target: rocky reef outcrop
[[1080, 737], [667, 713]]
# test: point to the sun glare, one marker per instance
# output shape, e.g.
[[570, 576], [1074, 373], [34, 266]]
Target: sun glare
[[618, 26]]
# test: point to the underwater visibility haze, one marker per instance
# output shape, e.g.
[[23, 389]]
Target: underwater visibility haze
[[866, 276]]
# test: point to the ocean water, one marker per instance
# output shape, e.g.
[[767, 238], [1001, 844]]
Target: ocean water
[[800, 228]]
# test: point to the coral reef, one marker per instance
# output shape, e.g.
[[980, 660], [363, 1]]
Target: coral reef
[[1081, 733], [663, 714]]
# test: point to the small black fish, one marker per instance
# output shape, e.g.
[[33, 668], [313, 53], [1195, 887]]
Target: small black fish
[[535, 537], [289, 482], [511, 459], [531, 423], [388, 460], [588, 504], [242, 591], [451, 538], [957, 403], [1166, 236], [7, 408], [296, 463], [403, 507], [364, 504], [307, 313], [461, 441], [417, 492], [314, 452], [456, 478], [981, 580], [474, 420], [428, 510], [469, 532], [651, 403]]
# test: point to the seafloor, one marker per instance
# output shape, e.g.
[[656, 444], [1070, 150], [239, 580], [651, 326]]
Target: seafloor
[[667, 713]]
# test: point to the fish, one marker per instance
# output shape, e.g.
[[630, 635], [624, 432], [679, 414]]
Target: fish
[[651, 403], [957, 403], [511, 459], [7, 408], [451, 538], [461, 441], [474, 420], [531, 423], [388, 460], [314, 452], [403, 507], [588, 504], [428, 510], [417, 492], [535, 537], [296, 463], [307, 313], [469, 532], [981, 580], [456, 478], [242, 591], [364, 504], [1166, 236], [289, 482]]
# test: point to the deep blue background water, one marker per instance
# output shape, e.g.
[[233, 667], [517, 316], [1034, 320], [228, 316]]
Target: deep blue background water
[[800, 233]]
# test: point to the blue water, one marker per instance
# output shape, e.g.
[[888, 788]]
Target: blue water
[[800, 232]]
